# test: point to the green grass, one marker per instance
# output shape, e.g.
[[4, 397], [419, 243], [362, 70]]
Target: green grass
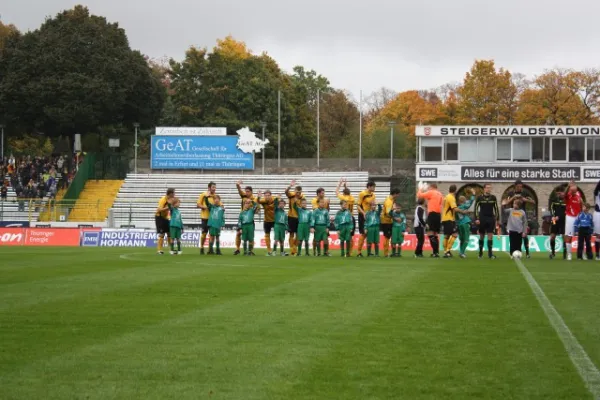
[[127, 324]]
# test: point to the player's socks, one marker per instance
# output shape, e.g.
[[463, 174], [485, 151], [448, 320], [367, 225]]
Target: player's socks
[[451, 240], [172, 246], [445, 244], [564, 249], [569, 246], [386, 243], [268, 242], [306, 247], [361, 242], [435, 244], [314, 247], [343, 246], [552, 245], [349, 246], [161, 242], [245, 247], [376, 245], [325, 247], [597, 246], [490, 244], [250, 247], [178, 245], [275, 247], [211, 244], [202, 240], [480, 247], [526, 244], [238, 241]]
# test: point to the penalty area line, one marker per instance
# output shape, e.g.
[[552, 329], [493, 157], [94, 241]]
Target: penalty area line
[[580, 359]]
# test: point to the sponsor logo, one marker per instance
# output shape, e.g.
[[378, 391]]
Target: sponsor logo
[[428, 173], [427, 130], [90, 239], [11, 238]]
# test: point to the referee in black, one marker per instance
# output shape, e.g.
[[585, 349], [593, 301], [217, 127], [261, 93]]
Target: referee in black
[[486, 215], [559, 212]]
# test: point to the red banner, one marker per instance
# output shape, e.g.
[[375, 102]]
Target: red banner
[[39, 237]]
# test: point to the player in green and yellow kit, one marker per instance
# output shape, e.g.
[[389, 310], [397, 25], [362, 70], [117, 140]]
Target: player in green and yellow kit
[[320, 228], [246, 226], [372, 220], [304, 223], [398, 229], [344, 225], [216, 221]]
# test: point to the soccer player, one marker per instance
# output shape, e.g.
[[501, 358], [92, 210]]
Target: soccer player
[[216, 221], [449, 221], [315, 205], [245, 194], [161, 219], [205, 213], [558, 212], [372, 222], [463, 222], [584, 226], [281, 226], [516, 224], [487, 216], [573, 203], [344, 225], [597, 220], [346, 196], [175, 225], [304, 221], [365, 199], [518, 193], [434, 218], [398, 229], [295, 196], [320, 228], [246, 226], [387, 221], [419, 225], [269, 203]]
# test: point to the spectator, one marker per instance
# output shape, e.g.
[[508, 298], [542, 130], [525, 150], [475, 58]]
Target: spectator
[[21, 201], [3, 192]]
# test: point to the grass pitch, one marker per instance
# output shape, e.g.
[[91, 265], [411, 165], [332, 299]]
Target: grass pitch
[[84, 323]]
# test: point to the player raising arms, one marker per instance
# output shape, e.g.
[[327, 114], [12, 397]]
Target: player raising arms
[[268, 203], [486, 218], [387, 220], [316, 204], [161, 219], [346, 196], [295, 196], [216, 221], [205, 213], [245, 194], [573, 203], [365, 198], [558, 211], [434, 218]]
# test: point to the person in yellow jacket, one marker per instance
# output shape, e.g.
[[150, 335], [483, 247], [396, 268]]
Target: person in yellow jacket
[[268, 203], [386, 220], [365, 199], [205, 213], [295, 196]]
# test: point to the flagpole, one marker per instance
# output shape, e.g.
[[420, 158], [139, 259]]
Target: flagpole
[[360, 134]]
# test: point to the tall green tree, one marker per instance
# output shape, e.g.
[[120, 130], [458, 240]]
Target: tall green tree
[[77, 73]]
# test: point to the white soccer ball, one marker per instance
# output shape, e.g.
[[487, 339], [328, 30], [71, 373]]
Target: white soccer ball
[[423, 186], [517, 254]]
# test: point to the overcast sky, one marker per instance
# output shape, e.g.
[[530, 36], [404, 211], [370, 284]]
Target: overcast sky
[[358, 44]]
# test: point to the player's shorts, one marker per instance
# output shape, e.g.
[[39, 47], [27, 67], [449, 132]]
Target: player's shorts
[[597, 222], [248, 232], [345, 232], [397, 235], [175, 233], [570, 225], [293, 224], [361, 224], [386, 229], [214, 232], [279, 232], [162, 225], [205, 226], [487, 225], [559, 227], [449, 227], [434, 221], [373, 234], [303, 231], [268, 226], [320, 233]]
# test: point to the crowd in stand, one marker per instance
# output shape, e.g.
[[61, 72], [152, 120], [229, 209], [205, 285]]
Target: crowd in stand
[[35, 177]]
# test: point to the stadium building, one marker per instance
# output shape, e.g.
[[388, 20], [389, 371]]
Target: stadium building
[[544, 158]]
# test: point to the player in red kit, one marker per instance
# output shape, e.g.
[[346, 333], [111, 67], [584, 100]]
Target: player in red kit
[[573, 204]]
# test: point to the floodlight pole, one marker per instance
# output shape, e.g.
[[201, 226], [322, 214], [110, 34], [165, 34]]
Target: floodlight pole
[[392, 124], [263, 125], [136, 125]]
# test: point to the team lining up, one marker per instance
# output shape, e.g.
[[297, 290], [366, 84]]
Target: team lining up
[[442, 212]]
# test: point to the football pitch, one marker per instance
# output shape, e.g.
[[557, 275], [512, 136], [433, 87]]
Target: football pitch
[[110, 323]]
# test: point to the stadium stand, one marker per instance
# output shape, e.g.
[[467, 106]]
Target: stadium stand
[[138, 197]]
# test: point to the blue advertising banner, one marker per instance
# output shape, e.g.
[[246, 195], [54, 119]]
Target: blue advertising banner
[[14, 224], [124, 238], [199, 152]]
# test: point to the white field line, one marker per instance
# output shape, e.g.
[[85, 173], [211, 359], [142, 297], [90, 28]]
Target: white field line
[[584, 365]]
